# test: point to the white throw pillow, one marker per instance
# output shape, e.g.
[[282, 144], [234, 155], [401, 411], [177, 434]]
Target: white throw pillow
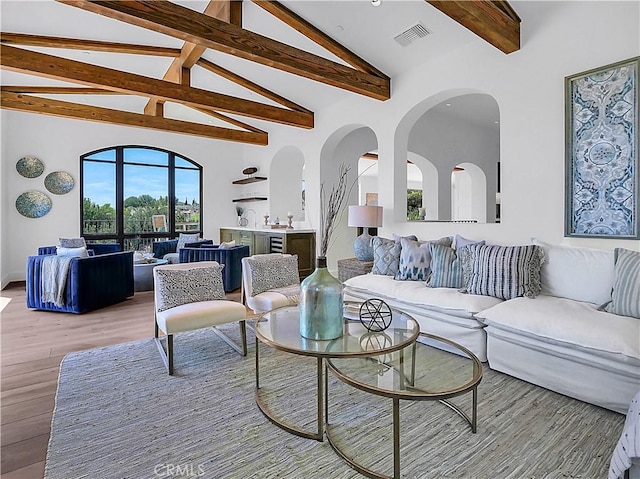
[[75, 252], [581, 274], [227, 245]]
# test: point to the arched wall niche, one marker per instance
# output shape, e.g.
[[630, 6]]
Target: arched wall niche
[[344, 146], [286, 175], [450, 128]]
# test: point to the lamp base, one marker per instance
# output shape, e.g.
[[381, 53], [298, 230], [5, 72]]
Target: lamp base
[[362, 247]]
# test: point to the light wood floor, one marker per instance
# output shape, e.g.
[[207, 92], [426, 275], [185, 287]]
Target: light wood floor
[[32, 345]]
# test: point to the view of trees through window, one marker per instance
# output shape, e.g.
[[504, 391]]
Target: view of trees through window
[[414, 203], [127, 191]]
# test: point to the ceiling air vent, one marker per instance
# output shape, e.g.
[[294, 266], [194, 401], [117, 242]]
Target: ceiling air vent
[[411, 34]]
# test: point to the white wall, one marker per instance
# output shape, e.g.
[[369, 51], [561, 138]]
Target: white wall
[[448, 141], [558, 39], [59, 144]]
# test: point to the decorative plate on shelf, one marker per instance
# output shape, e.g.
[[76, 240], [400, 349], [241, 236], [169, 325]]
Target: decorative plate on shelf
[[33, 204], [30, 167], [59, 182]]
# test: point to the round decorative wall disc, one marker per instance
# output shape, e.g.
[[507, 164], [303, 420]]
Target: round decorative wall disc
[[30, 167], [59, 182], [33, 204]]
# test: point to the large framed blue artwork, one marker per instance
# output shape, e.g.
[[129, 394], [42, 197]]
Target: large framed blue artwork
[[602, 171]]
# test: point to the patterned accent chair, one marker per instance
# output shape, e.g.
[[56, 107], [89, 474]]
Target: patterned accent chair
[[94, 282], [190, 296], [270, 281]]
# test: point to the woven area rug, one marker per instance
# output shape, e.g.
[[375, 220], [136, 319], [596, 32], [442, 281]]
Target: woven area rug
[[119, 415]]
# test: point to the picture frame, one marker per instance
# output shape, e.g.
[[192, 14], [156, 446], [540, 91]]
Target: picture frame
[[601, 158], [371, 199]]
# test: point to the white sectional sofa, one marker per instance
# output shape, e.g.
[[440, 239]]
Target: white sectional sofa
[[559, 340]]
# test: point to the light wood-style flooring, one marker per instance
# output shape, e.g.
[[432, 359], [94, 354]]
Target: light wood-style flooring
[[32, 345]]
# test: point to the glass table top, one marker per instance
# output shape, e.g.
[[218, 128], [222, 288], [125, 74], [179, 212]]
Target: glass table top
[[419, 371], [280, 329]]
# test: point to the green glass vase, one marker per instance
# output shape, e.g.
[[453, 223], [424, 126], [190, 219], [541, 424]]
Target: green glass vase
[[321, 313]]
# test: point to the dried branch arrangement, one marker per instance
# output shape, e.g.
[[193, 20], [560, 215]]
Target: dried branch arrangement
[[329, 213]]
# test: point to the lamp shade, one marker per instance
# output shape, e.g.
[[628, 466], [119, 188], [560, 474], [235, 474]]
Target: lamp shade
[[365, 216]]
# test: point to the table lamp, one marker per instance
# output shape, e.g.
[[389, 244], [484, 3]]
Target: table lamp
[[365, 217]]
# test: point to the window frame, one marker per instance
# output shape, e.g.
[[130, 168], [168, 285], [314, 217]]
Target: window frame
[[120, 236]]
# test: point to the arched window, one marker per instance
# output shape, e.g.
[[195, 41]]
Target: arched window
[[136, 194]]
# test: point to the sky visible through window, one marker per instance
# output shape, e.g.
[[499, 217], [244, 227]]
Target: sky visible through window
[[100, 180]]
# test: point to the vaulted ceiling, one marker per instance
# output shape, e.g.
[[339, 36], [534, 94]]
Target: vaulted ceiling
[[223, 69]]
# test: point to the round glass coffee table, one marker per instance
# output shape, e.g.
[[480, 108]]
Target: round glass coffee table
[[280, 329], [431, 369]]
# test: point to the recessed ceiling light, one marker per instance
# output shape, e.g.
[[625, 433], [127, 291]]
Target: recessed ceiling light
[[376, 3], [447, 104], [340, 28], [496, 122]]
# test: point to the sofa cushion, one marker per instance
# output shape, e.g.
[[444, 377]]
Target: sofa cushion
[[567, 322], [583, 274], [415, 258], [185, 238], [273, 272], [79, 252], [205, 284], [446, 267], [626, 286], [386, 256], [416, 294], [459, 242], [227, 245], [72, 242], [172, 258], [504, 272]]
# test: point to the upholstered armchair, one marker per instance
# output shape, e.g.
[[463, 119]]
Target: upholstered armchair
[[231, 258], [270, 281], [92, 282]]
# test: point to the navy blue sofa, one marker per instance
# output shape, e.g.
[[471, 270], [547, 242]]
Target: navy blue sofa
[[94, 282], [231, 258]]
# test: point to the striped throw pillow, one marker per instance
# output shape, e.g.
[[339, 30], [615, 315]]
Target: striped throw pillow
[[446, 267], [626, 285], [504, 272]]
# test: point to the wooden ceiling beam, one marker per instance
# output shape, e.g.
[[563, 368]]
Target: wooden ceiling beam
[[190, 52], [27, 103], [494, 21], [57, 90], [49, 66], [180, 22], [231, 121], [89, 45], [248, 84], [299, 24]]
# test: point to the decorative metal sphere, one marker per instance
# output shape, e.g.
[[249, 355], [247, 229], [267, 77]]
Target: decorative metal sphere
[[375, 315]]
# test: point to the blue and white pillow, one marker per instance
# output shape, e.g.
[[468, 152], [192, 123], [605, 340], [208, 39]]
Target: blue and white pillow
[[72, 242], [504, 272], [415, 259], [183, 286], [626, 285], [446, 267], [185, 238], [386, 256]]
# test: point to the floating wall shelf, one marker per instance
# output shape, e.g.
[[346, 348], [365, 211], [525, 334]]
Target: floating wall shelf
[[251, 179], [251, 198]]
